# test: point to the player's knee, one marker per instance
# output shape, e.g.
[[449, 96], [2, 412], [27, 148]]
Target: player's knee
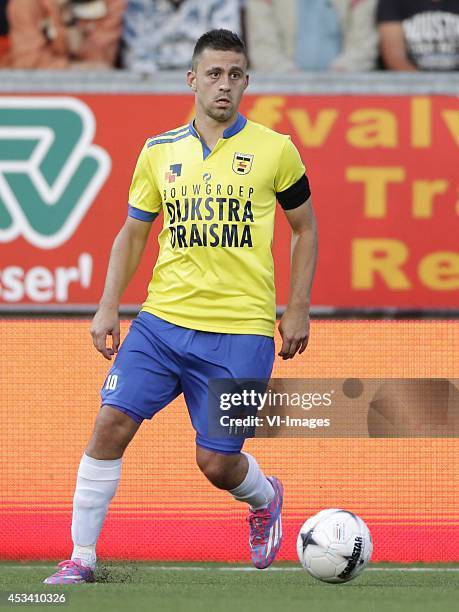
[[214, 466], [215, 473], [113, 430]]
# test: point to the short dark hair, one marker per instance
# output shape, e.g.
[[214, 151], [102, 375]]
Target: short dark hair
[[220, 40]]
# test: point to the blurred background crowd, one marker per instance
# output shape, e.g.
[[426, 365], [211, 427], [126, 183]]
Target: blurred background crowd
[[285, 36]]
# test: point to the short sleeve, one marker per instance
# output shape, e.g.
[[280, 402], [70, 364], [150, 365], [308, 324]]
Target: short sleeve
[[144, 196], [388, 10], [291, 182], [290, 168]]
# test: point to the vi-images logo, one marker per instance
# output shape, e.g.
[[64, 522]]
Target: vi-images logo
[[50, 172]]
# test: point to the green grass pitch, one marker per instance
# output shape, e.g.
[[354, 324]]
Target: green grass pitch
[[234, 588]]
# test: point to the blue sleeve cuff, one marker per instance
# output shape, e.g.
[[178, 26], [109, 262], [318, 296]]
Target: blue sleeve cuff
[[142, 215]]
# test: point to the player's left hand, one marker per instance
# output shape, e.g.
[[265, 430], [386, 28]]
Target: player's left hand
[[294, 330]]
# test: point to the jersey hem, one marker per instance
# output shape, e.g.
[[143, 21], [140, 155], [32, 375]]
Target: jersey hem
[[256, 331]]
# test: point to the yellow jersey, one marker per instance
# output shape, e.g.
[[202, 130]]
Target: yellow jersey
[[215, 269]]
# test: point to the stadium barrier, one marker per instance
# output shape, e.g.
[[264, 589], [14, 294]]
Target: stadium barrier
[[380, 151], [407, 489]]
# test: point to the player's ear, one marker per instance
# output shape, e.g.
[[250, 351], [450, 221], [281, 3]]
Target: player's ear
[[191, 79], [246, 81]]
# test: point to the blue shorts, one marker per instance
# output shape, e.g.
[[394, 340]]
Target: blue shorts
[[159, 360]]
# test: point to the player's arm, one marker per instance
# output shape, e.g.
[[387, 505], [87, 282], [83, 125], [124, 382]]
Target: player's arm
[[125, 256], [294, 195], [144, 206], [294, 324]]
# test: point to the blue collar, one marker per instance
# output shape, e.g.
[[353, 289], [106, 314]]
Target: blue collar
[[232, 130], [237, 126]]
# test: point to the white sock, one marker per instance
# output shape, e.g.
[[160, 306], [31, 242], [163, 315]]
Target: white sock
[[255, 489], [97, 481]]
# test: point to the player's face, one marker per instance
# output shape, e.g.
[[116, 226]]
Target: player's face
[[219, 80]]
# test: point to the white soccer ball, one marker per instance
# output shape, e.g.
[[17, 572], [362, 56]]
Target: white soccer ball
[[334, 545]]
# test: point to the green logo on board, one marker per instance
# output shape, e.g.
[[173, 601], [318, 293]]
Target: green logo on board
[[50, 172]]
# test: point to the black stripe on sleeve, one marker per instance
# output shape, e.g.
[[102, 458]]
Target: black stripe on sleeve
[[295, 195]]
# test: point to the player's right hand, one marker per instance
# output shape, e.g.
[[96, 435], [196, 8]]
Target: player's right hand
[[105, 323]]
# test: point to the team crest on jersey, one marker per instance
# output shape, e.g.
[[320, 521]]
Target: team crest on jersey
[[174, 171], [242, 163]]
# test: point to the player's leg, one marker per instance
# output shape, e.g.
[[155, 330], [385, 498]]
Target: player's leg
[[242, 477], [238, 473], [113, 430], [98, 476], [142, 380], [220, 458]]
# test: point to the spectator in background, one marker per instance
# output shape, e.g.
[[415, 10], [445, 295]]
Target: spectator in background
[[65, 33], [161, 34], [4, 40], [419, 34], [289, 35]]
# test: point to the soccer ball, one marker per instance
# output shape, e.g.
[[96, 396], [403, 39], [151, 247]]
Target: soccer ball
[[334, 545]]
